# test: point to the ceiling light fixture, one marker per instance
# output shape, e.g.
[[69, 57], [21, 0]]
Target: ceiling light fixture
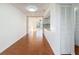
[[31, 8]]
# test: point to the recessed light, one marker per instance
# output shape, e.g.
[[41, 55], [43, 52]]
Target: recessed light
[[31, 8]]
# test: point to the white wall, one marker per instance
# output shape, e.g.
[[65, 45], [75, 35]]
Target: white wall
[[53, 35], [61, 36], [12, 25]]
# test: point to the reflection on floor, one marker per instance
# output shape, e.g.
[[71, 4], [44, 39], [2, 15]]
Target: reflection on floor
[[30, 45]]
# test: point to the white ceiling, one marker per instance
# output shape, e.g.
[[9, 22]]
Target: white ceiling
[[42, 7]]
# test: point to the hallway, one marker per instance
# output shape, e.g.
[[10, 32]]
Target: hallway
[[39, 29], [29, 45]]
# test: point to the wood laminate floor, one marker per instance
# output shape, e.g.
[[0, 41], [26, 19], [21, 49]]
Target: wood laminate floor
[[30, 45], [77, 50]]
